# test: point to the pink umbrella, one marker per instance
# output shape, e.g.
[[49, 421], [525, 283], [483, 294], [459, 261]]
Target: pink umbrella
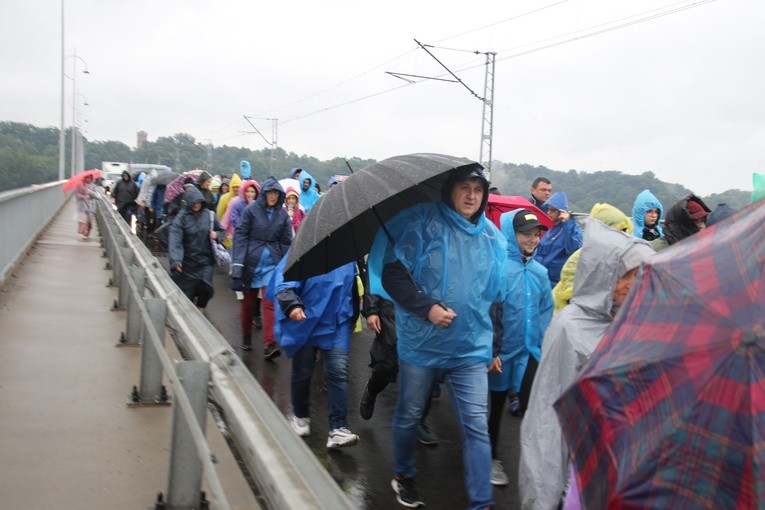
[[79, 178]]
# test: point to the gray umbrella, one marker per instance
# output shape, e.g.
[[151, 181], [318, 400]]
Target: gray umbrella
[[342, 225], [164, 177]]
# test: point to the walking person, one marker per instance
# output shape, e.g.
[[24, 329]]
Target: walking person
[[86, 193], [124, 195], [519, 325], [563, 239], [190, 254], [315, 318], [261, 238], [442, 321]]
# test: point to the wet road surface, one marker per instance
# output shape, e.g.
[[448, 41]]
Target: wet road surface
[[364, 471]]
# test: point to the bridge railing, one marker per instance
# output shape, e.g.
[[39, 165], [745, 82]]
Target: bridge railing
[[287, 474], [24, 213]]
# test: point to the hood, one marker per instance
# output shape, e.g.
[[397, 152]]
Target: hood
[[721, 212], [192, 196], [303, 176], [678, 224], [332, 180], [506, 226], [612, 217], [644, 201], [294, 171], [459, 175], [599, 265], [558, 200], [269, 184], [129, 177], [235, 181], [243, 189], [292, 191], [203, 177], [245, 169]]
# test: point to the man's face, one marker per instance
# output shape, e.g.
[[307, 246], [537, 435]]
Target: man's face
[[467, 197], [205, 184], [623, 286], [651, 217], [528, 241], [196, 207], [554, 214], [272, 196], [542, 192], [306, 184]]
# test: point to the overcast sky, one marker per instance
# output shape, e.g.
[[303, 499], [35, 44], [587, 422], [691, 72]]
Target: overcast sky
[[676, 93]]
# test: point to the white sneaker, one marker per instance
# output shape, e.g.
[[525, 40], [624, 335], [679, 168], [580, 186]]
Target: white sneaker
[[341, 437], [301, 426], [498, 476]]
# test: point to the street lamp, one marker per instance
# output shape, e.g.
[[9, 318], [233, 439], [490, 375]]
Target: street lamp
[[77, 146], [75, 58]]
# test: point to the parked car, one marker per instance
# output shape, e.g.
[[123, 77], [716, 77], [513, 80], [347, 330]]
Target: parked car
[[109, 179]]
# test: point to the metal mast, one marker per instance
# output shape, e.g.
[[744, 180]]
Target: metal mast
[[488, 114]]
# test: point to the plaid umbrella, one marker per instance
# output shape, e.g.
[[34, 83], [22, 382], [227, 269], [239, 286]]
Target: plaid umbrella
[[669, 411]]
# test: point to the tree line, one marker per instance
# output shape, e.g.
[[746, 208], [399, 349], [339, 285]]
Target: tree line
[[29, 155]]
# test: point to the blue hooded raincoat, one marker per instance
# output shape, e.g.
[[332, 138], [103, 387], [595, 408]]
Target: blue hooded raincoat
[[643, 202], [307, 198], [327, 300], [559, 242], [454, 261], [526, 312]]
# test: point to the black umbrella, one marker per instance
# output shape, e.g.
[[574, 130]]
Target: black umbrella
[[343, 223]]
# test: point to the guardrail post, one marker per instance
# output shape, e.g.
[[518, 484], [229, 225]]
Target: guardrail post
[[121, 275], [132, 334], [150, 390], [183, 490]]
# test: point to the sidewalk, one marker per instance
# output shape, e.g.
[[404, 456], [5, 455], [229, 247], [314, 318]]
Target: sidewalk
[[67, 437]]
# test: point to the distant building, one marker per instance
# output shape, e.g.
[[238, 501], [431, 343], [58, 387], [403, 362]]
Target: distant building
[[142, 138]]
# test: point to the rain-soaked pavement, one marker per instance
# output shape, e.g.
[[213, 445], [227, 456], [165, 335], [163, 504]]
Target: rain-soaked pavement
[[364, 471]]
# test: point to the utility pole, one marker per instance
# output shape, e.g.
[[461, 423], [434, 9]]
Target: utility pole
[[488, 114], [487, 100], [272, 143]]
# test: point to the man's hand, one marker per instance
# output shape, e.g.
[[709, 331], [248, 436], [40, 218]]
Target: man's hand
[[564, 216], [496, 365], [297, 314], [441, 315], [373, 323]]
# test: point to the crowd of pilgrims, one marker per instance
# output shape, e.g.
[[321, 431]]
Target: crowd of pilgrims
[[525, 346]]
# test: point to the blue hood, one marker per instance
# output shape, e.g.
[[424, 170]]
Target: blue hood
[[244, 169], [558, 200], [643, 202]]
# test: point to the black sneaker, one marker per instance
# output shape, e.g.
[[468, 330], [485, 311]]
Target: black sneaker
[[406, 493], [271, 352], [246, 342], [367, 403], [425, 435]]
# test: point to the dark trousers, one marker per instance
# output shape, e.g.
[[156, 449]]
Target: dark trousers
[[497, 403]]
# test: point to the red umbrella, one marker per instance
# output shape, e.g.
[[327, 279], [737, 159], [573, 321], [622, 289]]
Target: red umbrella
[[669, 411], [499, 204], [79, 177]]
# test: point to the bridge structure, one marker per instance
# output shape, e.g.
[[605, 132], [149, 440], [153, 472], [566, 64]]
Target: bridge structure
[[116, 391]]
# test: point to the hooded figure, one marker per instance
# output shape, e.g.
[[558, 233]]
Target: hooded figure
[[680, 222], [294, 210], [563, 239], [235, 207], [721, 212], [233, 190], [203, 183], [572, 336], [443, 271], [308, 196], [261, 238], [124, 195], [609, 215], [189, 250], [645, 201], [245, 169]]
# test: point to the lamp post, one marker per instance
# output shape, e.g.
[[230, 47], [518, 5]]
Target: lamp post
[[61, 134], [75, 58]]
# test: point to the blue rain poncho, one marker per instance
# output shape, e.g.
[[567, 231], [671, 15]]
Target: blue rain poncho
[[327, 301], [526, 312], [643, 202], [454, 261], [310, 196]]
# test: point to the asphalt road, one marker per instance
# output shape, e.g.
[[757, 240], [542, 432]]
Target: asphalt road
[[364, 471]]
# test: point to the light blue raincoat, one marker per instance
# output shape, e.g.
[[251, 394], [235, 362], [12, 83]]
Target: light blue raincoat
[[526, 312], [643, 202], [454, 261]]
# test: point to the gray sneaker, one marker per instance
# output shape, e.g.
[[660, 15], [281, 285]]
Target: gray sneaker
[[425, 435], [301, 426], [341, 437], [498, 476]]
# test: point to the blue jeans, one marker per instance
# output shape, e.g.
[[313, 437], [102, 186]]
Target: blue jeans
[[336, 372], [468, 389]]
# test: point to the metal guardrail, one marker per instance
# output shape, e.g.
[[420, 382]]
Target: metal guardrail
[[286, 472], [24, 213]]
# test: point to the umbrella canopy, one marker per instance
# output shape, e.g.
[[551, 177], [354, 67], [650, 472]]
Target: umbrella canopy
[[341, 226], [669, 411], [290, 183], [79, 177], [499, 204], [164, 178], [176, 186]]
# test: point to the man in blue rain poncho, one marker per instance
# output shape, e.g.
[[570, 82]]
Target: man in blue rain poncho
[[308, 193], [443, 270]]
